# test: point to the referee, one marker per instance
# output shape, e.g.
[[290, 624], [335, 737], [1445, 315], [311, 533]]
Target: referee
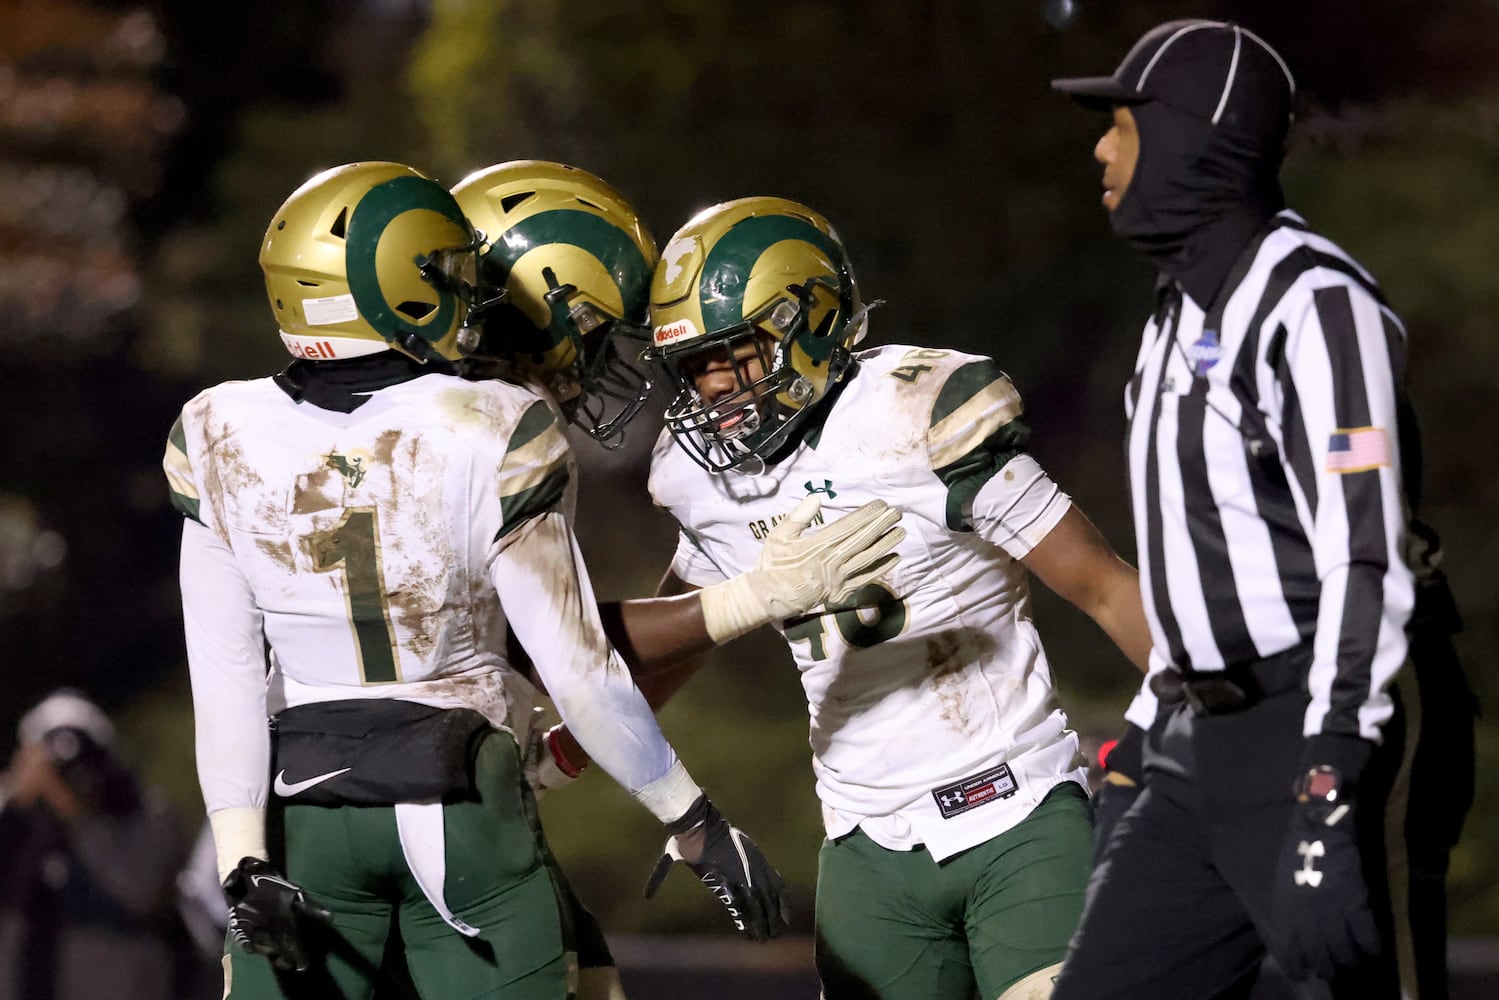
[[1265, 473]]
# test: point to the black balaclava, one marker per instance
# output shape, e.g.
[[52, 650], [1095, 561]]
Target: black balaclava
[[1199, 194], [1212, 101], [345, 385]]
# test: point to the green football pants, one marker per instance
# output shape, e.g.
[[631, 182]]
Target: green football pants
[[897, 925], [349, 860]]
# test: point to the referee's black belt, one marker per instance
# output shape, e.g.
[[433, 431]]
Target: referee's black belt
[[1238, 685]]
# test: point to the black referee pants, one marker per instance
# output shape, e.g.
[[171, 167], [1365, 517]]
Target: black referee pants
[[1180, 906]]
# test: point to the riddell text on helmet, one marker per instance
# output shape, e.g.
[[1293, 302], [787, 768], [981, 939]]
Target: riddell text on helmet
[[319, 350]]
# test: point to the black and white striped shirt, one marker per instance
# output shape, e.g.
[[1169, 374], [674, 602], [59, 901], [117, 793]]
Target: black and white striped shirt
[[1265, 475]]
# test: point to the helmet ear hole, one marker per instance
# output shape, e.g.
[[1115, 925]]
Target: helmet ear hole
[[416, 310]]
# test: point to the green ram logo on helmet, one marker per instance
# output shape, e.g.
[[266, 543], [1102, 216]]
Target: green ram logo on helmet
[[731, 262], [381, 206], [613, 247]]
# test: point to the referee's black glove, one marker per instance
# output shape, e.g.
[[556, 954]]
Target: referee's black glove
[[731, 865], [268, 914], [1321, 896]]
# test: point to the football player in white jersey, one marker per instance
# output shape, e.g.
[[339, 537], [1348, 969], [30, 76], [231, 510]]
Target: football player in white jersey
[[565, 269], [378, 524], [953, 792]]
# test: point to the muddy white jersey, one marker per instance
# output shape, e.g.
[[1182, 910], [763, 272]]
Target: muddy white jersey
[[933, 715], [377, 553]]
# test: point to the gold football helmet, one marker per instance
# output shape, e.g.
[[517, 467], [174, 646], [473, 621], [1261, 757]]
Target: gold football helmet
[[760, 278], [564, 275], [366, 257]]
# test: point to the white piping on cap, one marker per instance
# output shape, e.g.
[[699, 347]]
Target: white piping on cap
[[1140, 84], [1228, 83], [1290, 80], [1239, 33]]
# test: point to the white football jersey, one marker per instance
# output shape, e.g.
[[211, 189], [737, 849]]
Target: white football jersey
[[933, 717], [373, 553]]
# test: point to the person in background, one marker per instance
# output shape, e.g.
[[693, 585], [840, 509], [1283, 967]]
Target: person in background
[[88, 865]]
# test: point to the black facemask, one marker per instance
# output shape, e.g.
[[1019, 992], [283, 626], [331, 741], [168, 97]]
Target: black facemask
[[1198, 195]]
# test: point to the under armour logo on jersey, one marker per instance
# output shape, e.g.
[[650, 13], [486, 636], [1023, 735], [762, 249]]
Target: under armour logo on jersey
[[975, 790], [351, 469], [826, 487], [1307, 874]]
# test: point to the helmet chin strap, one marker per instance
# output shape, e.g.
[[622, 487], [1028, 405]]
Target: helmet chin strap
[[414, 344]]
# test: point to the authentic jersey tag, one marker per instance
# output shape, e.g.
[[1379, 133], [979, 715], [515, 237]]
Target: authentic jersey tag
[[970, 793]]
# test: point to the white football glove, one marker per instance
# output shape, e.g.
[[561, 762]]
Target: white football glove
[[796, 573]]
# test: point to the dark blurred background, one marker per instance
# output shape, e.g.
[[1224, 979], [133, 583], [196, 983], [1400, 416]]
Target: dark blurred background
[[144, 146]]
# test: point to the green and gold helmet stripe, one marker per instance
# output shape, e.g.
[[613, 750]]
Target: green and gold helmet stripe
[[614, 248], [731, 262], [181, 484], [382, 205], [534, 474]]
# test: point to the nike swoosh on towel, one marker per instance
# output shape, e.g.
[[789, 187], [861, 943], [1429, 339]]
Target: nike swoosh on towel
[[286, 788]]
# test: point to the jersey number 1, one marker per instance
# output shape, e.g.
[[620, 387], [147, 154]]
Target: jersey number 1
[[354, 545]]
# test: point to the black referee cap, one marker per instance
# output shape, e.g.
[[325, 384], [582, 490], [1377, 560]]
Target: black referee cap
[[1216, 71]]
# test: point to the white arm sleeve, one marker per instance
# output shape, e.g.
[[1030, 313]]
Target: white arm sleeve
[[226, 660], [1018, 506], [549, 601]]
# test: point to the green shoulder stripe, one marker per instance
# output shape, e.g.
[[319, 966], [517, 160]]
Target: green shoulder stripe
[[976, 429], [534, 474], [974, 404], [182, 485], [536, 421], [966, 476]]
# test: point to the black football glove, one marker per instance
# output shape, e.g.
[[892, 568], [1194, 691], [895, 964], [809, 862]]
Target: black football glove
[[1321, 897], [267, 913], [731, 865]]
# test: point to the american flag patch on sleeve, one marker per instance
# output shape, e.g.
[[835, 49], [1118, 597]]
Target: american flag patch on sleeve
[[1357, 449]]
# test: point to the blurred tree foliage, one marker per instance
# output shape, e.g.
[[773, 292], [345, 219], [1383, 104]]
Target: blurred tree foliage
[[85, 129], [964, 188]]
